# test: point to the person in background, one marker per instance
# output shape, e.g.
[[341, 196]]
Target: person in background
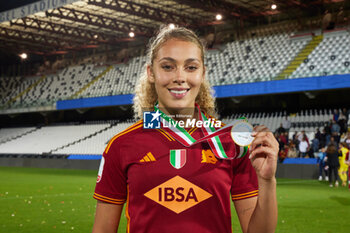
[[310, 152], [333, 142], [303, 147], [332, 164], [322, 139], [342, 122], [292, 151], [287, 136], [347, 139], [300, 136], [347, 114], [322, 164], [295, 140], [318, 134], [315, 145], [281, 129], [335, 129], [284, 138], [344, 137], [286, 123], [283, 153], [335, 115], [277, 136], [327, 129], [343, 166]]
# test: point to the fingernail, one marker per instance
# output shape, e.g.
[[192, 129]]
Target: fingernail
[[253, 134]]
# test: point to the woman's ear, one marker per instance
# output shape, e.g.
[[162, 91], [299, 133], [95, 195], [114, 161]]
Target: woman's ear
[[150, 75]]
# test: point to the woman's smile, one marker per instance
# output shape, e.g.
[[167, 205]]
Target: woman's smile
[[178, 92]]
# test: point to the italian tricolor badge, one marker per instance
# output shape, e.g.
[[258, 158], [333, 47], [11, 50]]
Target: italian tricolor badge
[[178, 158]]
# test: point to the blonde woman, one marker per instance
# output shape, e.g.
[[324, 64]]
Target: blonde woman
[[168, 186]]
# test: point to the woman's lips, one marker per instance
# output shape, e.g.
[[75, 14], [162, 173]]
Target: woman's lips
[[178, 93]]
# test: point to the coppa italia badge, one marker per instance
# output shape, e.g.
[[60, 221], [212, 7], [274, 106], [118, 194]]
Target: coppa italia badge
[[177, 194]]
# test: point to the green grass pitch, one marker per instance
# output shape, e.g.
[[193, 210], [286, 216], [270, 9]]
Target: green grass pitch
[[52, 200]]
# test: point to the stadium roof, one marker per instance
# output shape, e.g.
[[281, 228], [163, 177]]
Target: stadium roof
[[51, 27]]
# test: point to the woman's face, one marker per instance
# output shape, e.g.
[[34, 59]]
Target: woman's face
[[177, 73]]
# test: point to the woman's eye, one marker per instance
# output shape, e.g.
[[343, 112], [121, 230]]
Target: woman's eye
[[192, 68], [167, 67]]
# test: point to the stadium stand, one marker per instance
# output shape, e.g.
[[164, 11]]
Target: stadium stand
[[121, 79], [47, 139], [332, 56], [95, 144], [8, 134], [10, 87], [47, 91], [259, 58]]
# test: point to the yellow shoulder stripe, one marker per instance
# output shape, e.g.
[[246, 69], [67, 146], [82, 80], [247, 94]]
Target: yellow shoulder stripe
[[165, 134], [129, 129], [192, 130]]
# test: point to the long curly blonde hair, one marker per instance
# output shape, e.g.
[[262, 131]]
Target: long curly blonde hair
[[145, 92]]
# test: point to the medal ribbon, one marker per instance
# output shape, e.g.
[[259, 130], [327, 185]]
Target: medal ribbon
[[211, 134], [214, 141], [177, 132]]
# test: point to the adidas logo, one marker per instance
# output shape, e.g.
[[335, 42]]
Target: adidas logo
[[148, 158]]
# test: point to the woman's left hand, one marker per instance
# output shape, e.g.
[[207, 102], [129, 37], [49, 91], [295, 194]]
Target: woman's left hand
[[264, 152]]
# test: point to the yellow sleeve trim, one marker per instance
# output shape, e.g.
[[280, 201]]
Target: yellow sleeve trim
[[245, 195], [242, 194], [131, 128], [109, 200]]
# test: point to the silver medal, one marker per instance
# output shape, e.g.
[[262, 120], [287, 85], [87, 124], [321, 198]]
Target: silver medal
[[241, 133]]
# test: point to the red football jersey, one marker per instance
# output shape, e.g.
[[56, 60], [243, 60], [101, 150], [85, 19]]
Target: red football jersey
[[169, 187]]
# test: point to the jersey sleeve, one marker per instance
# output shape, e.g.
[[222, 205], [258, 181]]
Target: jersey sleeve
[[111, 186], [244, 181]]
